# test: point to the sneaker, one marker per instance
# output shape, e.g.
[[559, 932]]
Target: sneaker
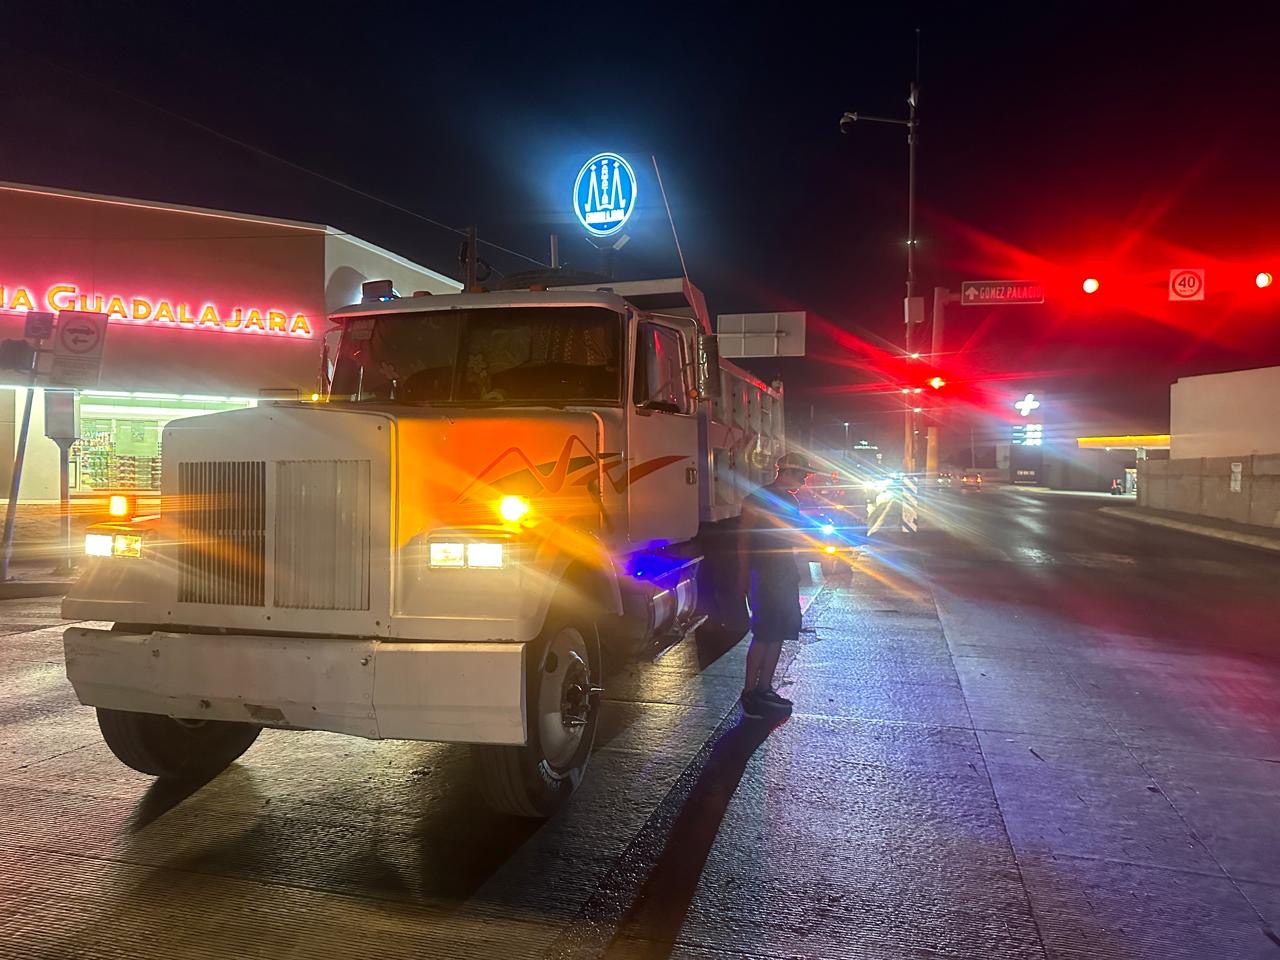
[[751, 705], [771, 698]]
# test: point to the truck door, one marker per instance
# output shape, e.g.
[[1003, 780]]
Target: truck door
[[662, 451]]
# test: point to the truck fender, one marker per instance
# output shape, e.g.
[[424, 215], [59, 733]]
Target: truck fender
[[587, 574]]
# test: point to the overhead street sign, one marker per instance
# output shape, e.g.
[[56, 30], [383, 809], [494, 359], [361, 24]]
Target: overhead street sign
[[1186, 284], [988, 293], [77, 349]]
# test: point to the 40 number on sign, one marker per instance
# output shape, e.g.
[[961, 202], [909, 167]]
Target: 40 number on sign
[[1186, 285]]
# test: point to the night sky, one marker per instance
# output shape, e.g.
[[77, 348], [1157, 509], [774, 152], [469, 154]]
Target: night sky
[[1058, 142]]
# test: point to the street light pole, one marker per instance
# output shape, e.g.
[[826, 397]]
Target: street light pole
[[912, 123], [846, 439]]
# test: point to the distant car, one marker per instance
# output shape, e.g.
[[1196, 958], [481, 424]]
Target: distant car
[[836, 508], [838, 498], [945, 479], [971, 481]]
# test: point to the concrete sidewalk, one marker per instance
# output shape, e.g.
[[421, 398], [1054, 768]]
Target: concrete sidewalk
[[38, 550], [1244, 534]]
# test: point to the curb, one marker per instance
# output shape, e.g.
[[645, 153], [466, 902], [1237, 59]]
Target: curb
[[1230, 536], [28, 589]]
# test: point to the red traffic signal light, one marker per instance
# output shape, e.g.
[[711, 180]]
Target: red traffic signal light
[[1263, 279], [937, 383], [1090, 285]]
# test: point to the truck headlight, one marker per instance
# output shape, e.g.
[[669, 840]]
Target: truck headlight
[[123, 545], [487, 555], [482, 555], [107, 545], [448, 554], [97, 545]]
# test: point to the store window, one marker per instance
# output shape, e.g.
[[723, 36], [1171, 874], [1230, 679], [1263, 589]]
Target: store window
[[121, 436]]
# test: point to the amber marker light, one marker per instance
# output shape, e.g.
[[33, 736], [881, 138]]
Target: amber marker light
[[513, 509]]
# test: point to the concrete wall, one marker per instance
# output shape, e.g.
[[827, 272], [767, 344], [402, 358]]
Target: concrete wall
[[1202, 486], [1225, 414], [1071, 468]]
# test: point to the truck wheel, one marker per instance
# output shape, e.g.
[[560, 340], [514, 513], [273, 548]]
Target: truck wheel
[[563, 705], [174, 749]]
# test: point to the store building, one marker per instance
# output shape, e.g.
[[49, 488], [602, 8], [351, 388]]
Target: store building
[[1225, 449], [206, 309]]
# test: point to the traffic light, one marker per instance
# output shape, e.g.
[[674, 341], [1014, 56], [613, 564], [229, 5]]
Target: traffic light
[[937, 383], [1090, 285], [1263, 280]]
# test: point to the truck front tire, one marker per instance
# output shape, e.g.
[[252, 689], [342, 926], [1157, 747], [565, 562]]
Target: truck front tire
[[562, 701], [174, 749]]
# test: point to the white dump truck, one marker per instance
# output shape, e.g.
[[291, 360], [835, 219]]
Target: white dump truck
[[494, 490]]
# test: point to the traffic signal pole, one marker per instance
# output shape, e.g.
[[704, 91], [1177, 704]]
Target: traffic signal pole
[[939, 317], [913, 310]]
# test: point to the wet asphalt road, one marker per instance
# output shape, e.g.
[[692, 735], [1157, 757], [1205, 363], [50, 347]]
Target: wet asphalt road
[[1038, 732]]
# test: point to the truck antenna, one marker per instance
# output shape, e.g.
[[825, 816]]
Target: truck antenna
[[670, 219]]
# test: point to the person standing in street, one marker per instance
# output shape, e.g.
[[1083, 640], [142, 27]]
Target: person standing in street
[[770, 530]]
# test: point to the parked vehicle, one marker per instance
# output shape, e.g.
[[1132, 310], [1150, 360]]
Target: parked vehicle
[[495, 489]]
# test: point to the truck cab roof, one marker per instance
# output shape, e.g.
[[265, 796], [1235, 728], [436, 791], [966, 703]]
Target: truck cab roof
[[482, 301], [674, 297]]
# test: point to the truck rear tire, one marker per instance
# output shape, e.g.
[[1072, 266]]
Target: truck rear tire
[[563, 704], [174, 749]]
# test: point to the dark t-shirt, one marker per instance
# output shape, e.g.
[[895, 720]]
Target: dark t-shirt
[[771, 524]]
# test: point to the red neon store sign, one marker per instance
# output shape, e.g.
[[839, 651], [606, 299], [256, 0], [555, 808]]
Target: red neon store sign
[[151, 311]]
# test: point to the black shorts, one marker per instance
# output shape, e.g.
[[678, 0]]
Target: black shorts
[[775, 609]]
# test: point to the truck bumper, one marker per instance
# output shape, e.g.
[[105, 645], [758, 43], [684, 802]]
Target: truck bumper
[[456, 692]]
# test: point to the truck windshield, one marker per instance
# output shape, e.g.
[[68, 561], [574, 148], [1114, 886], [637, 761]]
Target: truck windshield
[[502, 355]]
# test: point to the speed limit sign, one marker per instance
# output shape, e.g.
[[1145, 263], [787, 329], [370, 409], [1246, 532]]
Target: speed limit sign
[[1186, 284]]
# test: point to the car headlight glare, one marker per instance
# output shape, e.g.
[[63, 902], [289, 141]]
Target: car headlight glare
[[487, 555], [448, 555], [828, 529]]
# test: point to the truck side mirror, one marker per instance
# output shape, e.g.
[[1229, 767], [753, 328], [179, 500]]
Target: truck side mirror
[[328, 357], [708, 367]]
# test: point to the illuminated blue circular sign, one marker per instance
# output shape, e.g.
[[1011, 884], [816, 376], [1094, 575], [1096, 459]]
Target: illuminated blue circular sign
[[604, 195]]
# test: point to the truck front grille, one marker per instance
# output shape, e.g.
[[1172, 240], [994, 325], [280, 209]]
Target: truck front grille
[[223, 514], [322, 534]]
